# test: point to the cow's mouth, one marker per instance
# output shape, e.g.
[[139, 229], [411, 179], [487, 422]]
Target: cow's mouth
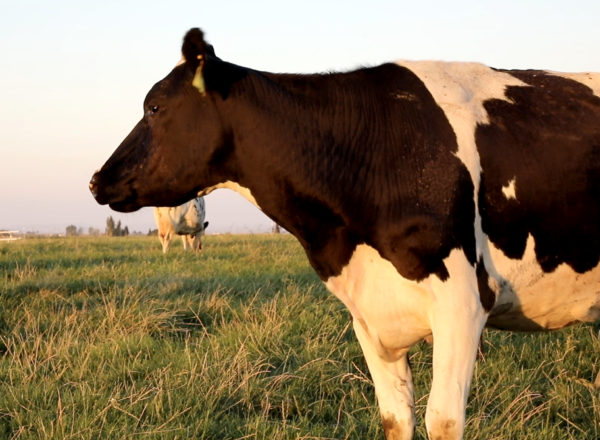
[[117, 198], [124, 206], [124, 201]]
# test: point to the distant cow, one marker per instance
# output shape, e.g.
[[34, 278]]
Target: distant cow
[[430, 197], [186, 220]]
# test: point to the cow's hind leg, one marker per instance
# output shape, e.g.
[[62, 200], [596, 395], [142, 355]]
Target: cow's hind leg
[[393, 386], [457, 319]]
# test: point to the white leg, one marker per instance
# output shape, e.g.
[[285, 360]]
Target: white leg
[[457, 319], [393, 386], [184, 239], [165, 241]]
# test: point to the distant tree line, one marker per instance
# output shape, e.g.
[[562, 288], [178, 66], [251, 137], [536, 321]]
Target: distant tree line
[[73, 230], [112, 229], [117, 230]]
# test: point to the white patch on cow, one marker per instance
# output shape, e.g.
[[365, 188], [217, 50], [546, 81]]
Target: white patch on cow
[[509, 190], [528, 298], [392, 313], [460, 89], [591, 80], [392, 308], [233, 186]]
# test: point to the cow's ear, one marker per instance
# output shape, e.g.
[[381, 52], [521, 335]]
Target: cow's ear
[[195, 50], [194, 46]]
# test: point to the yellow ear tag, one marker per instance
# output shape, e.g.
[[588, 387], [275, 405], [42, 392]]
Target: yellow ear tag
[[198, 80]]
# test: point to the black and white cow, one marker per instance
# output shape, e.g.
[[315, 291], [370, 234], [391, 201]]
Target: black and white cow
[[186, 220], [431, 198]]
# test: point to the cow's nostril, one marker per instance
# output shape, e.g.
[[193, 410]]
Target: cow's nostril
[[94, 185]]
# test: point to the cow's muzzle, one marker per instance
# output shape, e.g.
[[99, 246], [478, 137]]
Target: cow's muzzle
[[121, 197]]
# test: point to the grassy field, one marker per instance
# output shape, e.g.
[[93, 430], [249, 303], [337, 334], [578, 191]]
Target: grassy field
[[107, 338]]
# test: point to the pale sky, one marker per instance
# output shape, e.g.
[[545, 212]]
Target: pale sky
[[73, 75]]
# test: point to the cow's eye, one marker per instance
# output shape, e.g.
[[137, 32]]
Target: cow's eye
[[154, 109]]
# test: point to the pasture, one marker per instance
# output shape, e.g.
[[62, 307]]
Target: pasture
[[108, 338]]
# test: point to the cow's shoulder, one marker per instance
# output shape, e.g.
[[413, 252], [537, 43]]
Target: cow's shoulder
[[391, 177]]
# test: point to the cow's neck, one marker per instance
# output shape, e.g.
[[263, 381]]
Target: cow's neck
[[283, 138]]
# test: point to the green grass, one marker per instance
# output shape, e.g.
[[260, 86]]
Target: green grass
[[109, 338]]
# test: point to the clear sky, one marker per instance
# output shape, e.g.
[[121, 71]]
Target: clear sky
[[73, 75]]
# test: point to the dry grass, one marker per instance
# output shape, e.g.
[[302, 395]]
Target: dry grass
[[108, 338]]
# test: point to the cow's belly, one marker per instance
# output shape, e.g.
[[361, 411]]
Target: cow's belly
[[529, 299], [393, 310]]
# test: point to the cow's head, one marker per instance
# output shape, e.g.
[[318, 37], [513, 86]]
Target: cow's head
[[166, 158]]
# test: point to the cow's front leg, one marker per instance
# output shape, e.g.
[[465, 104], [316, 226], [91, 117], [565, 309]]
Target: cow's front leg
[[457, 319], [393, 385]]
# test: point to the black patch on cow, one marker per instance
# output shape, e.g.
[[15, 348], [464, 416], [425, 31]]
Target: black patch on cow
[[546, 137], [486, 294], [362, 157]]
